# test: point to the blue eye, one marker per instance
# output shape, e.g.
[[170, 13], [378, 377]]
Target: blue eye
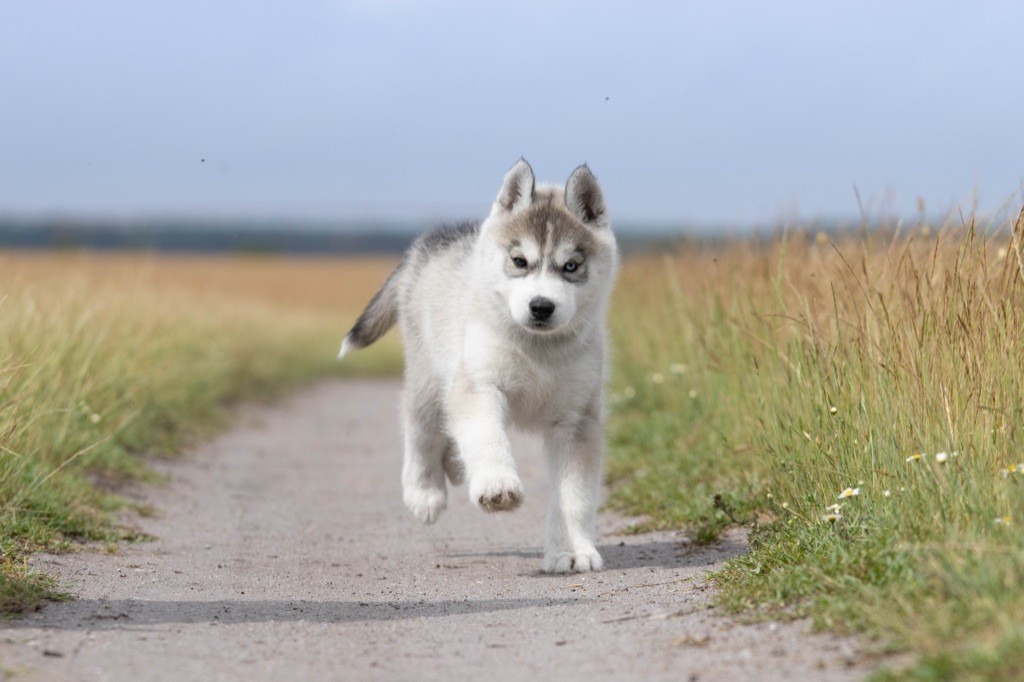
[[571, 266], [519, 262]]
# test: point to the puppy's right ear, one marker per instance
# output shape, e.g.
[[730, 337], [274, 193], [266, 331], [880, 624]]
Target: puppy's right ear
[[516, 191]]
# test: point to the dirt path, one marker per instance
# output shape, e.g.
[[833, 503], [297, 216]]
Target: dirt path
[[284, 552]]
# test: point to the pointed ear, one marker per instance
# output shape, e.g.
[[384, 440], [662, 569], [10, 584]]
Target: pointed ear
[[517, 189], [584, 199]]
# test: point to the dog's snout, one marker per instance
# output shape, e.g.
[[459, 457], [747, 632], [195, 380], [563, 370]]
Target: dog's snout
[[541, 308]]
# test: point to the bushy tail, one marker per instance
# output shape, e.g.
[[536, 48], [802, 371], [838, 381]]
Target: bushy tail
[[380, 316]]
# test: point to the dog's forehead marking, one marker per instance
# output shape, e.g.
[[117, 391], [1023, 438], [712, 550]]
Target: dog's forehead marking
[[550, 226]]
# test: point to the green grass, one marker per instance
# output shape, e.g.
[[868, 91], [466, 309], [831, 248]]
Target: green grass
[[96, 374], [779, 375]]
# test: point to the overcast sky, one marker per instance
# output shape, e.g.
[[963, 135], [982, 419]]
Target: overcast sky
[[739, 112]]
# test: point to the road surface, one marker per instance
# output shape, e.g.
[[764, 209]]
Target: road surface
[[283, 551]]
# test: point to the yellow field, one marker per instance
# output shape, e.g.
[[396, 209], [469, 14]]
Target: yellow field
[[338, 286]]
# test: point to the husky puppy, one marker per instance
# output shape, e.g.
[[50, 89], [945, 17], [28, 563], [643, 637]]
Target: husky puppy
[[503, 323]]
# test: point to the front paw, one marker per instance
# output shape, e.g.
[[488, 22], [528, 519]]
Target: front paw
[[496, 491], [572, 562]]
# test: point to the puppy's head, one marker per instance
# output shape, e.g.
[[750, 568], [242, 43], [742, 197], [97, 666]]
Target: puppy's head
[[551, 251]]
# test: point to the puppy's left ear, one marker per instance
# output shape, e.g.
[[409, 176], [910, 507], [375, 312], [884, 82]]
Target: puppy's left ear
[[584, 199]]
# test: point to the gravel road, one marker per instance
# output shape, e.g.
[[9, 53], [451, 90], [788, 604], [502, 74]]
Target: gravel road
[[283, 551]]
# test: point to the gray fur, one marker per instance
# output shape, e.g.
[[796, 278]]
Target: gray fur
[[381, 313], [447, 235], [378, 317]]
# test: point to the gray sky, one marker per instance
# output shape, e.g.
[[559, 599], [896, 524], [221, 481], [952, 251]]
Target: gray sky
[[707, 111]]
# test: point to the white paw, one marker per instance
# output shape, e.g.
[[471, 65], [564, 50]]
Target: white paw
[[572, 562], [426, 504], [500, 490]]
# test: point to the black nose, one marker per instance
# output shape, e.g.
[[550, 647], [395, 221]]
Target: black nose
[[541, 308]]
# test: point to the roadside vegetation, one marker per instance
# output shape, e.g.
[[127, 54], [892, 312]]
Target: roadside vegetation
[[859, 401], [856, 399], [104, 358]]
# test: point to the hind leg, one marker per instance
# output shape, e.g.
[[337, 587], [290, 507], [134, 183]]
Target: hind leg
[[423, 469], [454, 467]]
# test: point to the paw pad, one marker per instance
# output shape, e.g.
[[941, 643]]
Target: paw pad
[[500, 493]]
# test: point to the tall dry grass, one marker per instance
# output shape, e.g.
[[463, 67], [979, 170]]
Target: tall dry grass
[[104, 358], [777, 375]]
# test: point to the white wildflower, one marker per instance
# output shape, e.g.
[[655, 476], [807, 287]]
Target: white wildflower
[[1013, 469]]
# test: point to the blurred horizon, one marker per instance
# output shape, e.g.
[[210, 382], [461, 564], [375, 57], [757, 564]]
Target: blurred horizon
[[694, 117]]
